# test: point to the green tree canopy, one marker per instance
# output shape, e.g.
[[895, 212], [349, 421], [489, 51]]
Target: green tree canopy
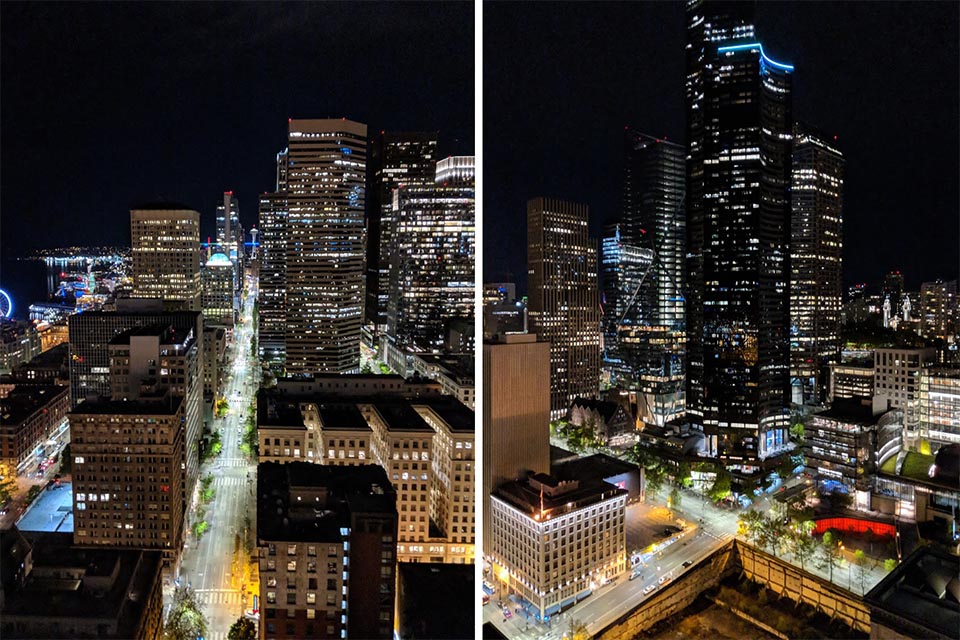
[[242, 629], [186, 620]]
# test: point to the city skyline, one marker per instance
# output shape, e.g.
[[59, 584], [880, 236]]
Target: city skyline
[[196, 109], [585, 96]]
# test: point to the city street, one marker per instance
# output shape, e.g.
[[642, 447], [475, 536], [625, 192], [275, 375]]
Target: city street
[[215, 566], [643, 524]]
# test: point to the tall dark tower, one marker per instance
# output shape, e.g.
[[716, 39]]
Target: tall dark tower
[[738, 232], [563, 304], [407, 159], [816, 261], [654, 220]]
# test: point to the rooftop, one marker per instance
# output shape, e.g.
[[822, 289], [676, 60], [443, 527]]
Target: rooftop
[[456, 414], [26, 399], [526, 495], [850, 410], [304, 502], [124, 598], [597, 466], [400, 416], [924, 590], [166, 405], [342, 415]]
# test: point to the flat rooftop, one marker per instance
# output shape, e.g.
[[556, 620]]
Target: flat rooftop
[[51, 512], [343, 416], [344, 489], [924, 589], [160, 406], [26, 399], [522, 495], [401, 416], [456, 414]]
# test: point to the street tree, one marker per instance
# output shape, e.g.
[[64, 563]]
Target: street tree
[[242, 629], [654, 474], [675, 498], [721, 487], [863, 571], [186, 620], [889, 565], [8, 483], [828, 554], [576, 630]]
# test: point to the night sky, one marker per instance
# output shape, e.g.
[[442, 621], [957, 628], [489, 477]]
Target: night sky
[[562, 80], [108, 104]]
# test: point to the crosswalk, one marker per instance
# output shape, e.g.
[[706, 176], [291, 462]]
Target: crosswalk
[[219, 596], [229, 481], [231, 462], [216, 635]]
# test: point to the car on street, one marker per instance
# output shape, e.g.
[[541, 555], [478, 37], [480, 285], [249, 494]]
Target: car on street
[[507, 613], [649, 589], [485, 599], [635, 575], [687, 563], [663, 580]]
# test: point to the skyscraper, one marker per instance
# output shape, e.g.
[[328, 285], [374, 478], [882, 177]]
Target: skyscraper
[[432, 263], [563, 304], [516, 414], [272, 311], [738, 230], [939, 310], [327, 161], [230, 235], [217, 280], [816, 260], [397, 159], [165, 243], [654, 220]]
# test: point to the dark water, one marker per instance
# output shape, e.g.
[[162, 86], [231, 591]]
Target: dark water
[[25, 281]]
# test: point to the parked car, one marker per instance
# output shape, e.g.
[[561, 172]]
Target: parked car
[[649, 589]]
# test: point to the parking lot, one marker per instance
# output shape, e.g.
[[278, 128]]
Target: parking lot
[[52, 511]]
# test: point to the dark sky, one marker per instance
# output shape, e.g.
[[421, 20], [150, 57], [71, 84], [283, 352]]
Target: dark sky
[[562, 80], [108, 104]]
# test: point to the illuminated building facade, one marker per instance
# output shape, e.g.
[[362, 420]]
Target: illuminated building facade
[[541, 550], [408, 159], [325, 177], [940, 405], [128, 474], [816, 261], [738, 231], [272, 310], [230, 235], [165, 356], [940, 310], [516, 414], [896, 382], [850, 381], [165, 243], [432, 280], [326, 540], [90, 336], [32, 415], [563, 304], [217, 281]]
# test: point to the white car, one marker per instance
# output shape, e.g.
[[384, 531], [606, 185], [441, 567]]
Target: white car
[[649, 589]]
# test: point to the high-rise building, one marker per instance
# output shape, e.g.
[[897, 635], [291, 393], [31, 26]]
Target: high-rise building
[[939, 310], [432, 280], [940, 405], [166, 357], [408, 159], [217, 277], [326, 539], [272, 295], [325, 245], [816, 260], [230, 235], [653, 326], [90, 336], [516, 414], [165, 243], [563, 305], [893, 289], [738, 230], [128, 474], [896, 382]]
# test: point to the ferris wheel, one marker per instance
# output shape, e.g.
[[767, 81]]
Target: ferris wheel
[[6, 304]]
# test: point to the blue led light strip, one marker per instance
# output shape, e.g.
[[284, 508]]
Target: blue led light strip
[[756, 45]]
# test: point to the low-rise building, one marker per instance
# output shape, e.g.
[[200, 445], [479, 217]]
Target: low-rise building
[[326, 539], [839, 445], [31, 415], [607, 419], [52, 589], [50, 367], [850, 381], [281, 431], [19, 343], [360, 384], [555, 542]]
